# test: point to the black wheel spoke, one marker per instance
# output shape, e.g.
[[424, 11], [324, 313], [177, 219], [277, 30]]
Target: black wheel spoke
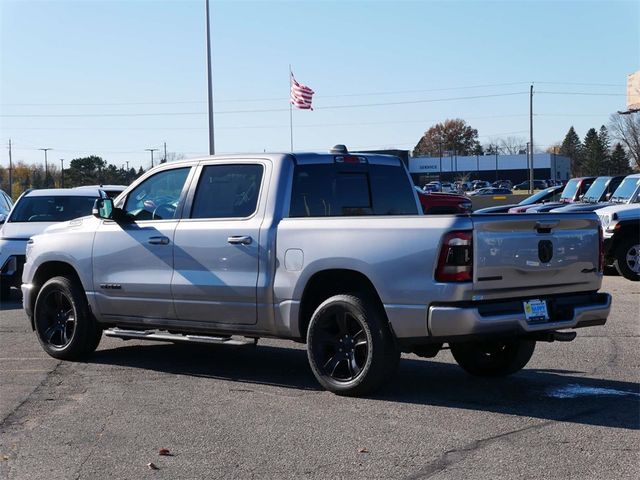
[[360, 339], [49, 332], [341, 320], [332, 364], [354, 368]]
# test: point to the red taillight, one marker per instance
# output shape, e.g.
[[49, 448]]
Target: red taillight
[[455, 262], [600, 249], [350, 159]]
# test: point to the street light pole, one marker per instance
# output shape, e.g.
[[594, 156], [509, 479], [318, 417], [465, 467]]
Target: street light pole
[[151, 150], [46, 170], [62, 173], [531, 139], [212, 149]]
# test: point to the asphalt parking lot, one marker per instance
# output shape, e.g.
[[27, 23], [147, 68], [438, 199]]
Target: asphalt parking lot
[[257, 412]]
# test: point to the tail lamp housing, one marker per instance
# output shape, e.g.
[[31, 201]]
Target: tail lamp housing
[[455, 261]]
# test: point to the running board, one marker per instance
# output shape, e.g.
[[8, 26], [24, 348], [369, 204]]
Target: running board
[[175, 337]]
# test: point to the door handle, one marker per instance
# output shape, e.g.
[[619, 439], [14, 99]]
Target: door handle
[[159, 241], [240, 240]]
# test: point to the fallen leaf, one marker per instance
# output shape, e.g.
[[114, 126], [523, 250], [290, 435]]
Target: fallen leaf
[[152, 466], [363, 450], [165, 452]]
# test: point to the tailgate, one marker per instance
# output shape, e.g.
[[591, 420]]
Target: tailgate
[[535, 250]]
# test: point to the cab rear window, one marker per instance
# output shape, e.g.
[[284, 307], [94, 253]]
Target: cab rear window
[[329, 190]]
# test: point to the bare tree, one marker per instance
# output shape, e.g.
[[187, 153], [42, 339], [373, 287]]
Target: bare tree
[[555, 148], [626, 129], [512, 145]]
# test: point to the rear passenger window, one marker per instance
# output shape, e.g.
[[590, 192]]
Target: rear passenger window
[[329, 190], [227, 191]]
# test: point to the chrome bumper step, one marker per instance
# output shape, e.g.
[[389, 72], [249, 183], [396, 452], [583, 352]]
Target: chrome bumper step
[[175, 337]]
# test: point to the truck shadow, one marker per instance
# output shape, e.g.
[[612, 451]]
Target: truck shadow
[[555, 395]]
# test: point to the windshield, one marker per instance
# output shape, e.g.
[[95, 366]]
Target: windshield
[[626, 189], [51, 208], [596, 190], [570, 190], [550, 194]]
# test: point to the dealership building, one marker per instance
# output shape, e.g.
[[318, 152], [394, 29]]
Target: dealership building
[[489, 167]]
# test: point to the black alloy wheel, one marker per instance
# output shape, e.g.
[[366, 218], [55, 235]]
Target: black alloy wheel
[[342, 348], [350, 347], [65, 327], [57, 319]]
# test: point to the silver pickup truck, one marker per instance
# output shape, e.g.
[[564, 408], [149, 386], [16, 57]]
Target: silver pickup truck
[[327, 249]]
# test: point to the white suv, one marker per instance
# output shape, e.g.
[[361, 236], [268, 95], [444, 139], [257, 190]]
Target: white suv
[[621, 227], [32, 213]]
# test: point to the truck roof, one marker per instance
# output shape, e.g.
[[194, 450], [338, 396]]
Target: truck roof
[[301, 158]]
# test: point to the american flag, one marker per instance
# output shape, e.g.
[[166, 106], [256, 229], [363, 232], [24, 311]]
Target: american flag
[[300, 95]]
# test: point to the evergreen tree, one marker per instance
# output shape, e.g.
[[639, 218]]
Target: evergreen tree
[[593, 154], [619, 161], [572, 147], [605, 146]]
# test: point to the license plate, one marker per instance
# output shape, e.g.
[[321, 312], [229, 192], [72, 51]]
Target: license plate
[[535, 311]]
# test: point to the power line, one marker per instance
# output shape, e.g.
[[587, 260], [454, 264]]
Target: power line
[[585, 93], [244, 100], [329, 107], [266, 99]]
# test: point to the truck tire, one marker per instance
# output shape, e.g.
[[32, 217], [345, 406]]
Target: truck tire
[[627, 259], [350, 347], [493, 358], [65, 327]]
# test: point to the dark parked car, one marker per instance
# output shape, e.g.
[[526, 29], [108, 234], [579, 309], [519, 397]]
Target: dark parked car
[[573, 192], [537, 185], [491, 191], [551, 194]]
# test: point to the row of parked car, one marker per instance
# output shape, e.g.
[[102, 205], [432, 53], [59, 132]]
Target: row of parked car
[[615, 199]]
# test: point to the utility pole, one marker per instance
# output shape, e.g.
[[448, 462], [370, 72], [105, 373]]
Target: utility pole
[[531, 138], [528, 163], [62, 173], [212, 149], [496, 147], [46, 170], [151, 150], [127, 165], [165, 152], [10, 172], [440, 161]]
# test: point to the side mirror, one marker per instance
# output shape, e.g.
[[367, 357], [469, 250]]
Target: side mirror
[[103, 208], [608, 196], [3, 218]]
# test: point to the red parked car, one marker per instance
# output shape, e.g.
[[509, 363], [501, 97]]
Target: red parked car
[[443, 203]]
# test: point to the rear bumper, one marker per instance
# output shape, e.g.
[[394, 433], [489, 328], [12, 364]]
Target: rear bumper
[[506, 318]]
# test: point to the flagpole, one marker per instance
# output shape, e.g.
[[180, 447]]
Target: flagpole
[[290, 109]]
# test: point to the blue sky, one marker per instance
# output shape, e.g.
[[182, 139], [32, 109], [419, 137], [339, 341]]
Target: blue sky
[[113, 78]]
